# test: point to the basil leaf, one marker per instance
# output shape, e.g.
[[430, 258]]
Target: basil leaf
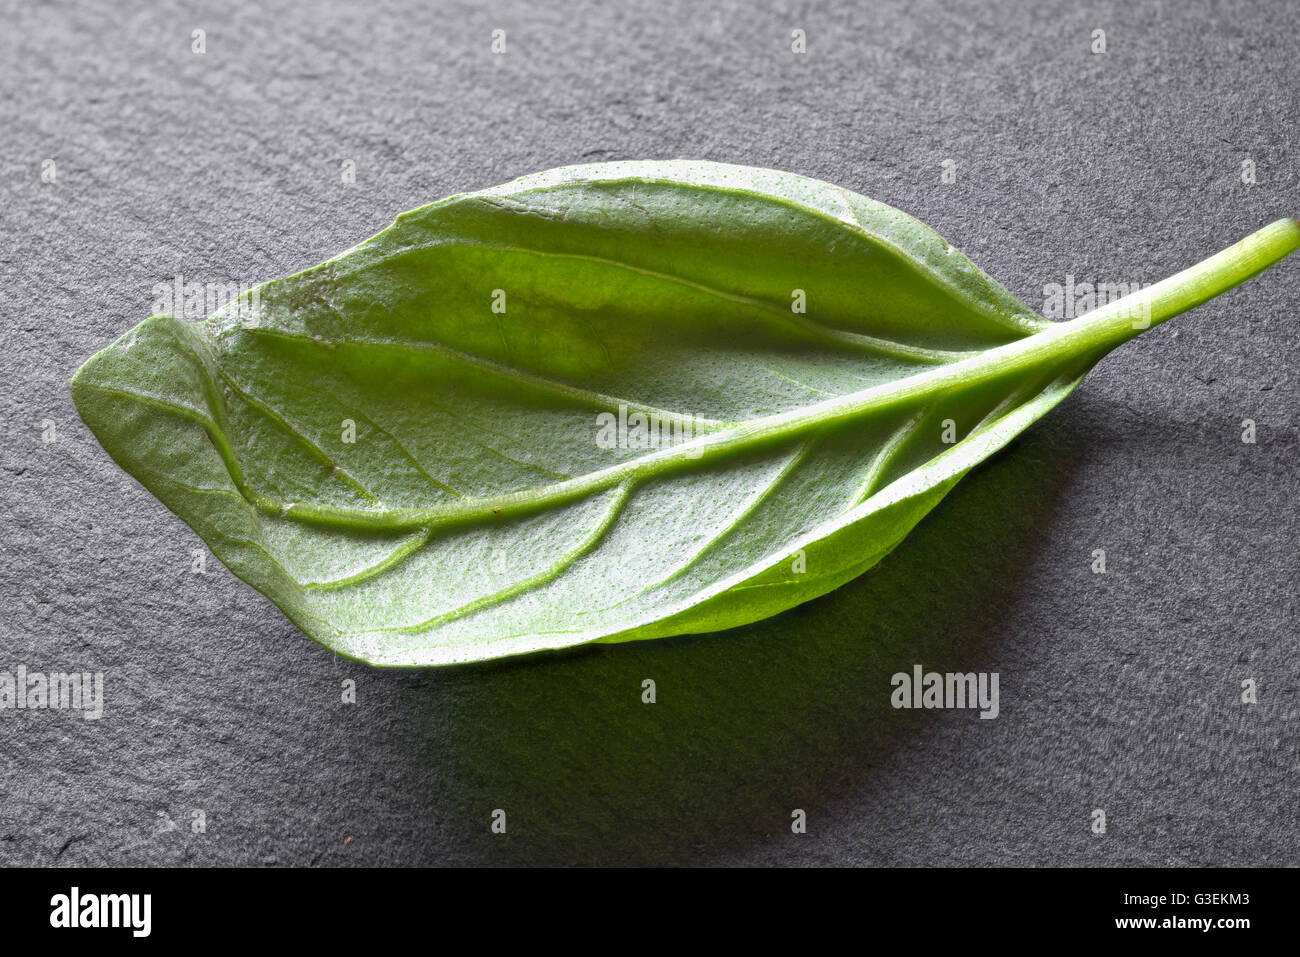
[[606, 402]]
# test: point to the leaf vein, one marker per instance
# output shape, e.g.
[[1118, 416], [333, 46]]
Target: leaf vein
[[584, 547]]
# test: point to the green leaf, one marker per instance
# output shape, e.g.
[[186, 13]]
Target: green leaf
[[427, 450]]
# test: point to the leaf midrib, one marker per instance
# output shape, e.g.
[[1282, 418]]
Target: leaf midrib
[[1057, 343]]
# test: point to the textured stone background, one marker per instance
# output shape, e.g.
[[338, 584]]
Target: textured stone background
[[1119, 691]]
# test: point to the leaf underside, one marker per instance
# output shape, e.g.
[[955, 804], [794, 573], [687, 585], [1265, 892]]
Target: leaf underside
[[477, 513]]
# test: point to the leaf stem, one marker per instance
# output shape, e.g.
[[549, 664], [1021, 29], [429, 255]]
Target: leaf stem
[[1130, 315]]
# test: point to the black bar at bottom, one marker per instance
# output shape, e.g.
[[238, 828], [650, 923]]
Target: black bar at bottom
[[336, 907]]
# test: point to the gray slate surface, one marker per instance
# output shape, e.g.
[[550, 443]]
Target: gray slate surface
[[1119, 691]]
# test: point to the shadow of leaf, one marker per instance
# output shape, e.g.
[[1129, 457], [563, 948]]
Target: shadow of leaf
[[792, 712]]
